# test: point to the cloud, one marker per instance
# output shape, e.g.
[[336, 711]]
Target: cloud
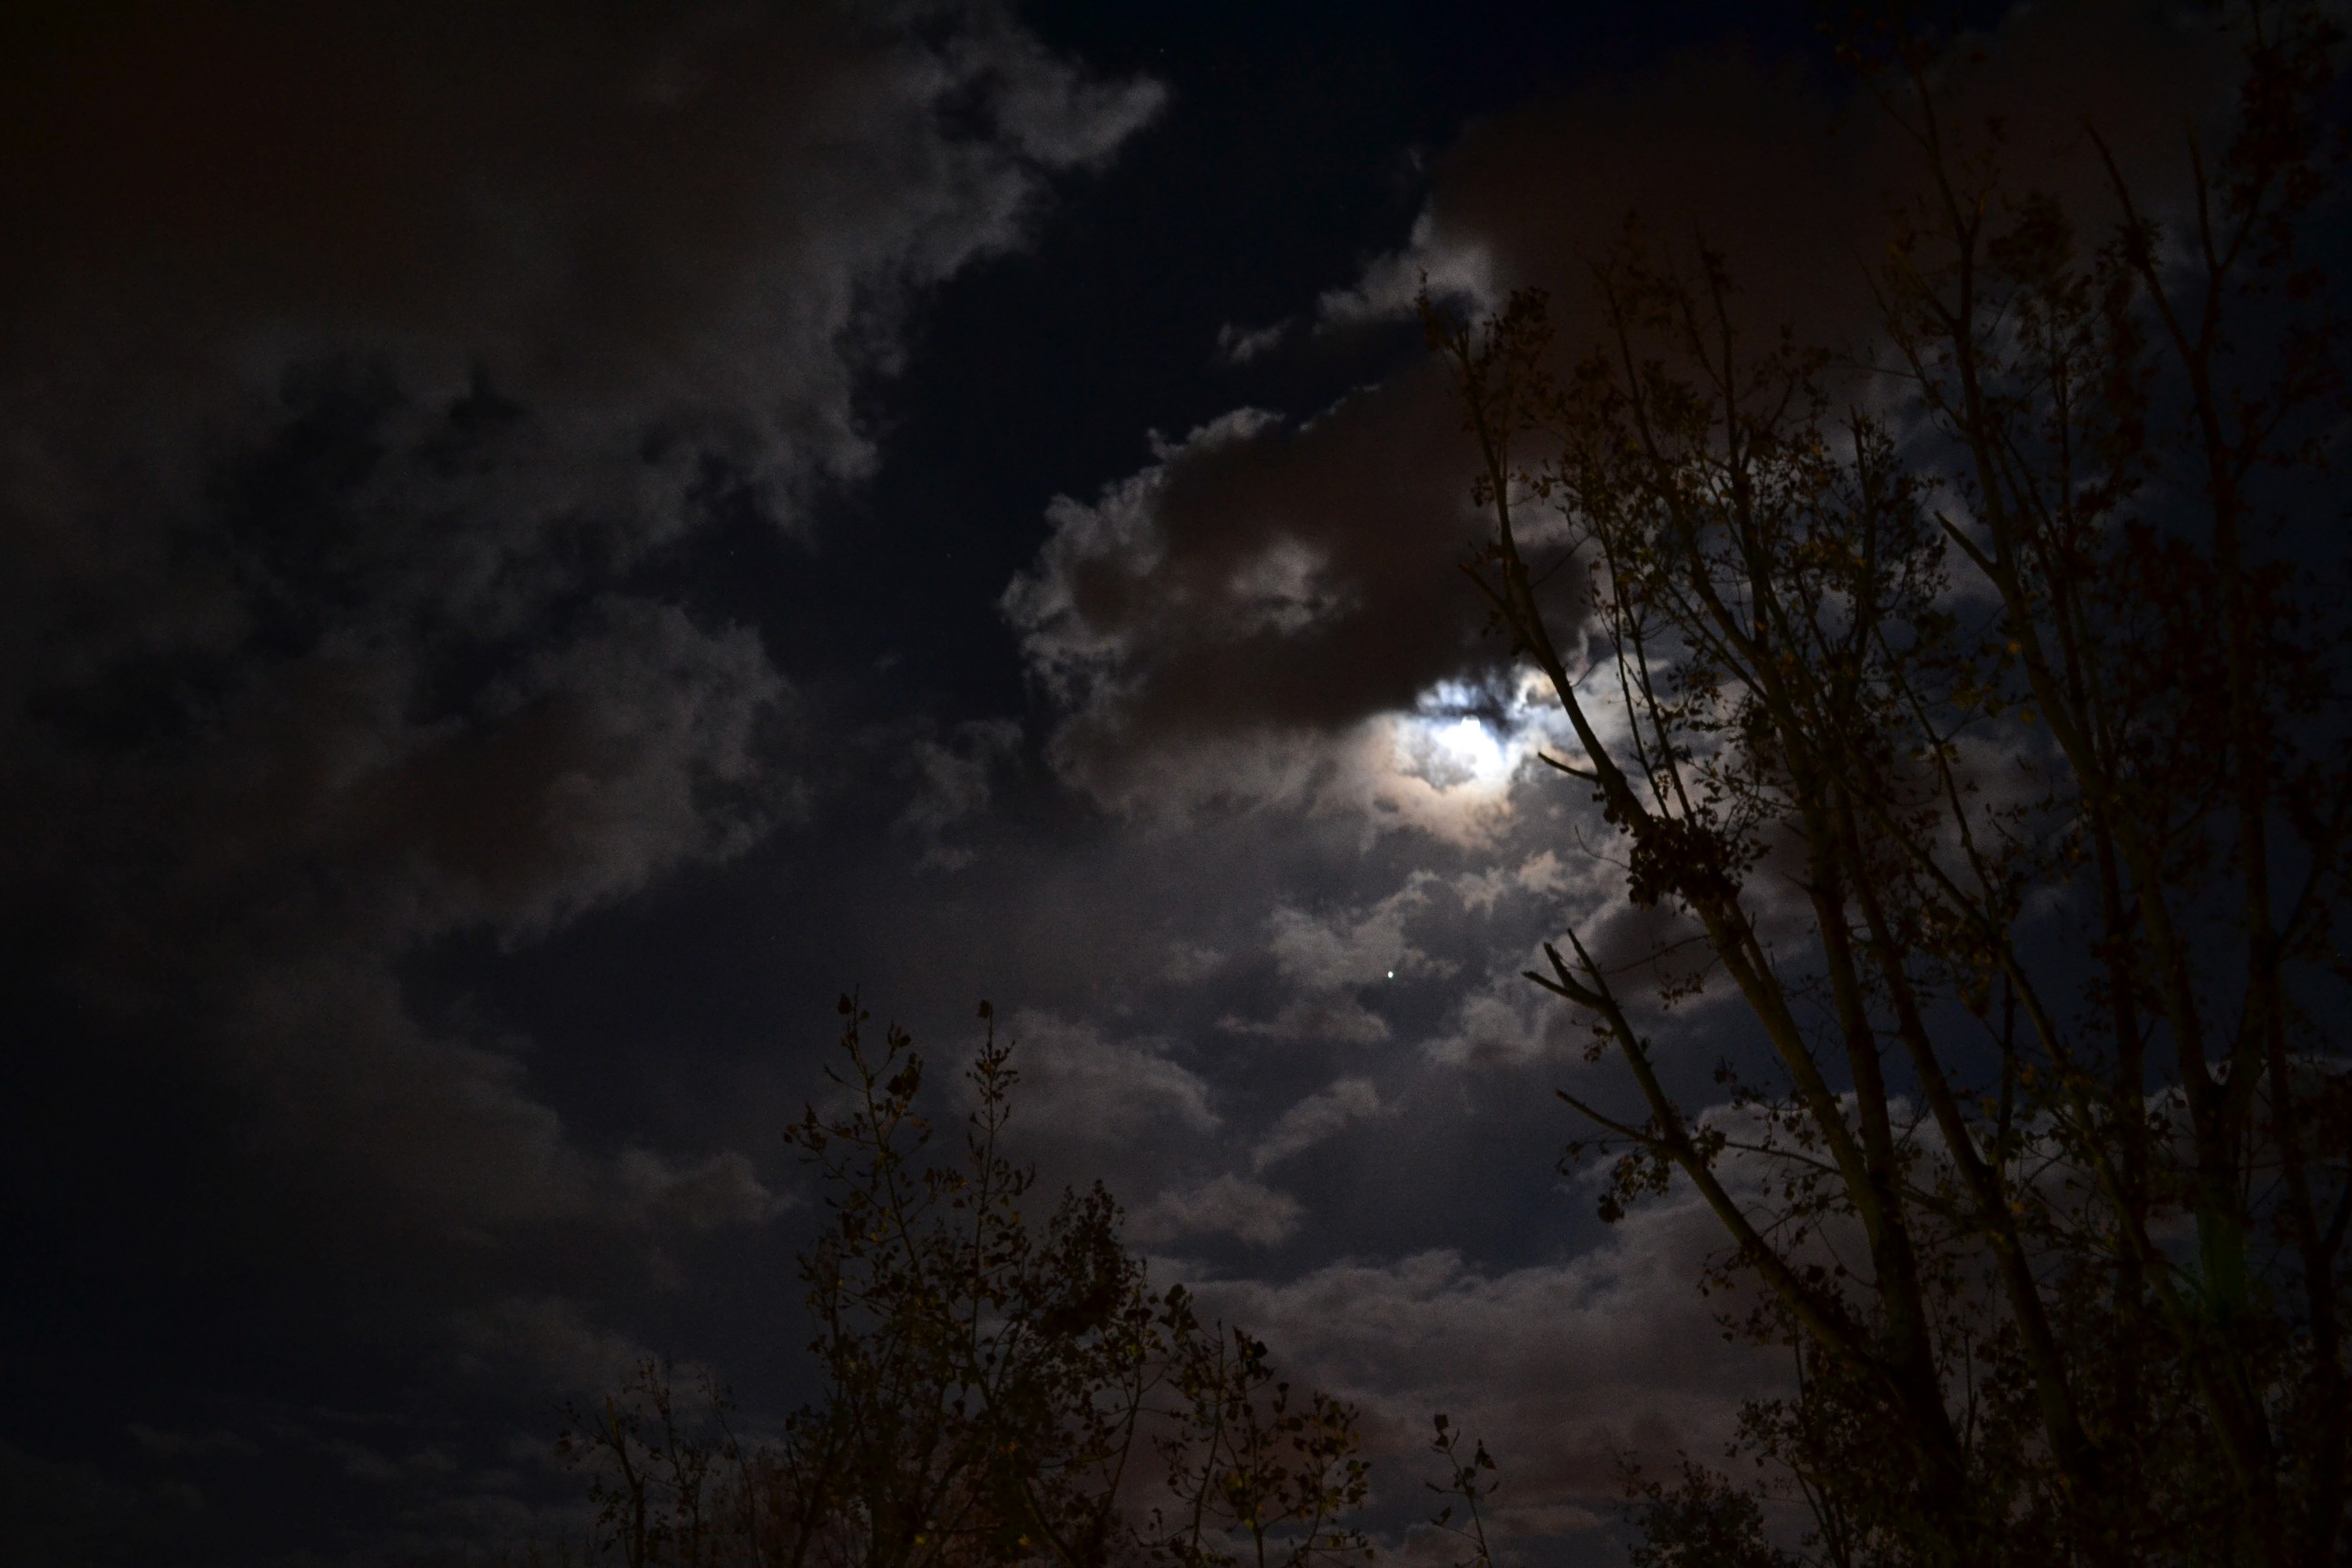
[[1339, 1019], [1455, 268], [1541, 873], [1509, 1021], [65, 1512], [1079, 1084], [363, 365], [402, 1129], [1350, 947], [1255, 618], [1043, 105], [1558, 1366], [1237, 344], [706, 218], [1324, 957], [1188, 963], [219, 1444], [955, 779], [1231, 1205], [1795, 181], [718, 1190], [622, 751], [1506, 1021], [1221, 624], [1269, 618], [552, 1338], [1321, 1115]]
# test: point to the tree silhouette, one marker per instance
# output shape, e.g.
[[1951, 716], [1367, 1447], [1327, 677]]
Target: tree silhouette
[[992, 1385], [1971, 705]]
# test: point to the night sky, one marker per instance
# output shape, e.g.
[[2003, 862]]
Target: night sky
[[544, 542]]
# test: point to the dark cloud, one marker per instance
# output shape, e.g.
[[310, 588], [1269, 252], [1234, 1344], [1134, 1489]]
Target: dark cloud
[[362, 366], [1565, 1366], [552, 1340], [80, 1513], [721, 1190], [1795, 179], [703, 218], [1561, 1367], [1077, 1083], [1249, 1211], [955, 777], [1325, 1115], [1256, 582]]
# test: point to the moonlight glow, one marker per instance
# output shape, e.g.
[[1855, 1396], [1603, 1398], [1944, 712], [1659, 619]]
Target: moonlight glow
[[1465, 740]]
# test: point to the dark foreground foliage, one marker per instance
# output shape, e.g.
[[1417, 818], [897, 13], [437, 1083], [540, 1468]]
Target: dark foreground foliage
[[1971, 702], [996, 1391]]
